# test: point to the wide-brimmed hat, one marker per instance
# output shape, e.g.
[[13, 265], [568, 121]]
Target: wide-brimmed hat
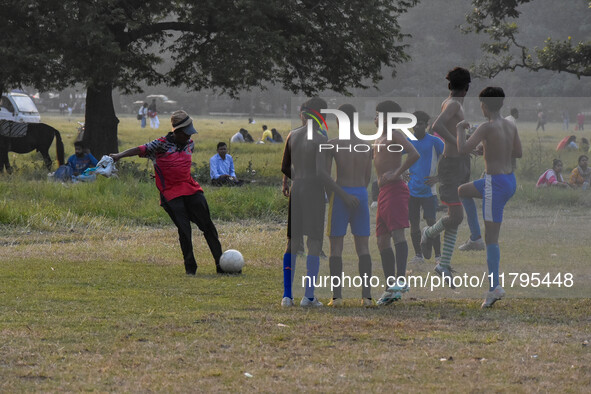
[[181, 120]]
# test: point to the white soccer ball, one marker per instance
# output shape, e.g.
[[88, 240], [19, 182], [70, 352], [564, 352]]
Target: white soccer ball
[[231, 261]]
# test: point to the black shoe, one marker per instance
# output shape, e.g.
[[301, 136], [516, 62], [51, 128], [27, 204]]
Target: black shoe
[[219, 270]]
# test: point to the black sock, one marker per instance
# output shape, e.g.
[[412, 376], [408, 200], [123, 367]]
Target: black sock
[[401, 257], [388, 265], [336, 269], [365, 274], [416, 242]]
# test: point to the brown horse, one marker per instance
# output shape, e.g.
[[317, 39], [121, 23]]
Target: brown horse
[[40, 137]]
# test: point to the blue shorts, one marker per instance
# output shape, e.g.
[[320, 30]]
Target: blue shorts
[[496, 190], [339, 216]]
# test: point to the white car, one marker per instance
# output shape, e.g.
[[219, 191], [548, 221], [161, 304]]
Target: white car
[[18, 107]]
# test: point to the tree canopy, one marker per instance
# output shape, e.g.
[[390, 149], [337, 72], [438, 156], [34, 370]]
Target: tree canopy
[[505, 51], [305, 46]]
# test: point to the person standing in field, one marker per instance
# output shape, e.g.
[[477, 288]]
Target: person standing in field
[[393, 197], [501, 144], [180, 195], [153, 115], [422, 185], [453, 170], [142, 115], [305, 165], [353, 175]]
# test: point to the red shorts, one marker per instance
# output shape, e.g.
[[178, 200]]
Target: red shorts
[[392, 208]]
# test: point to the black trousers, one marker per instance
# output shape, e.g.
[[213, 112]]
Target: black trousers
[[184, 210]]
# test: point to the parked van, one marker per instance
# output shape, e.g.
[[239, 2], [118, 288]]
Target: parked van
[[18, 107]]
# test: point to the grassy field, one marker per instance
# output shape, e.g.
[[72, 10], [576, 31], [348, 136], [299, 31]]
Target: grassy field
[[94, 295]]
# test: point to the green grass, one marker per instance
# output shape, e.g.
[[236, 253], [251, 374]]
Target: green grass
[[112, 310]]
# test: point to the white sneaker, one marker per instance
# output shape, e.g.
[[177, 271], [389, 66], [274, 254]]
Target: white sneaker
[[417, 260], [493, 296], [447, 274], [306, 302], [286, 302], [392, 294], [472, 245]]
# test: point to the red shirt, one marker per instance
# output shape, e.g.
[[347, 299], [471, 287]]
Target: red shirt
[[172, 165]]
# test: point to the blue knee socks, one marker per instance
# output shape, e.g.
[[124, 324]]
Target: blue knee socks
[[288, 271], [313, 266], [472, 218], [493, 259]]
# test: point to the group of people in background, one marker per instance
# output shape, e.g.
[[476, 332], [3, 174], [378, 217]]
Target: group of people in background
[[148, 112], [580, 176], [271, 136]]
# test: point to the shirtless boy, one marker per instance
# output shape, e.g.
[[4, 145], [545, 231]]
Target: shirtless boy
[[353, 175], [305, 165], [392, 215], [501, 144], [453, 170]]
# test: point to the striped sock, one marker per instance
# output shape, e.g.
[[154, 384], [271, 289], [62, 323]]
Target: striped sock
[[435, 229], [449, 242]]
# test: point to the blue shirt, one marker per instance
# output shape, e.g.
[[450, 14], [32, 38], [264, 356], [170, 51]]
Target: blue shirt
[[79, 164], [219, 166], [430, 148]]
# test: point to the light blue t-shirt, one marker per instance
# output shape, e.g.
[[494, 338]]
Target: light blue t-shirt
[[219, 166], [430, 148]]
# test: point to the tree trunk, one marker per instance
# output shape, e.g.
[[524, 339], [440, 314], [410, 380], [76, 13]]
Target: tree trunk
[[100, 133]]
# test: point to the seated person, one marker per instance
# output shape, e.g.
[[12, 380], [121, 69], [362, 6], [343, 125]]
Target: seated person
[[584, 145], [568, 143], [238, 137], [276, 136], [552, 177], [267, 135], [581, 175], [242, 136], [81, 160], [221, 168]]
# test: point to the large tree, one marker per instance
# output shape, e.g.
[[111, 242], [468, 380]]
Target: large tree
[[505, 51], [303, 45]]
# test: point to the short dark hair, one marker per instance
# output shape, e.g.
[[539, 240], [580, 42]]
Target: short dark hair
[[349, 110], [315, 103], [220, 144], [79, 143], [515, 113], [459, 78], [492, 97], [264, 127], [421, 116], [556, 162], [582, 157], [388, 106]]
